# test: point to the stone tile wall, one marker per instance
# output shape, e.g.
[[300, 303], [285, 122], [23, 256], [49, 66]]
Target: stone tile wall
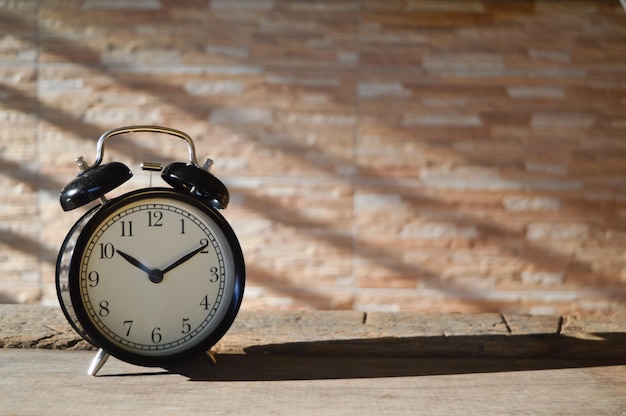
[[459, 156]]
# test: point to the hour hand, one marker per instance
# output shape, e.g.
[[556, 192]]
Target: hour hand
[[134, 261]]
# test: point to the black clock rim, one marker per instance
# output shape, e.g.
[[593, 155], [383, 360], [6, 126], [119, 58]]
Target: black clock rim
[[90, 329], [68, 309]]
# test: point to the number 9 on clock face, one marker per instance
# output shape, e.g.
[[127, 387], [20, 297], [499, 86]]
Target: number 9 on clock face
[[152, 277]]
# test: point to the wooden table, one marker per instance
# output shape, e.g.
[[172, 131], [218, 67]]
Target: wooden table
[[340, 363]]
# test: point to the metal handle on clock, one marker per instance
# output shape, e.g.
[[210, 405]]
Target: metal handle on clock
[[144, 128]]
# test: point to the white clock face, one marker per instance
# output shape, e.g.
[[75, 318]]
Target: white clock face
[[156, 276]]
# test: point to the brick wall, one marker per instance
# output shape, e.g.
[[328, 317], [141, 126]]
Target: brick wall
[[381, 155]]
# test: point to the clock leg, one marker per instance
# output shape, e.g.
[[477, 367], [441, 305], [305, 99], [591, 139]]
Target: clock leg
[[97, 362], [211, 357]]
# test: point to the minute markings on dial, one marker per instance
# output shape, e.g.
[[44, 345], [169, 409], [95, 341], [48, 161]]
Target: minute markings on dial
[[158, 239]]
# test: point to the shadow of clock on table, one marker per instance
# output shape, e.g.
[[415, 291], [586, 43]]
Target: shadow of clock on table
[[409, 357]]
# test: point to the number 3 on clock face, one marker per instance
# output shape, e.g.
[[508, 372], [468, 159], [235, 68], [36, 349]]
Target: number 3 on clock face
[[154, 277]]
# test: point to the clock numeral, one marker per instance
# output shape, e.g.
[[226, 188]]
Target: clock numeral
[[186, 326], [94, 279], [128, 325], [106, 250], [104, 308], [182, 226], [155, 219], [214, 276], [205, 303], [127, 228], [156, 335], [204, 242]]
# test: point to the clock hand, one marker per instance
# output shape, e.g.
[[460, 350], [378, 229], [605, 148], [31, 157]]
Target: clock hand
[[185, 258], [155, 275], [134, 262]]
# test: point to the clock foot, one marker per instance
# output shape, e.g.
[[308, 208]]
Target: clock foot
[[210, 357], [97, 362]]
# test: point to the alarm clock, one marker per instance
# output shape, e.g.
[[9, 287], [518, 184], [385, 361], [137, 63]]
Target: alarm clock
[[155, 276]]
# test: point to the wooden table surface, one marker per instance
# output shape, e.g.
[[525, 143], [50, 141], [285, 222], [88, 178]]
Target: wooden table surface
[[340, 363]]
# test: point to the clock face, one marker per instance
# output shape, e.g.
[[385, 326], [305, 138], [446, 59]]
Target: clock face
[[158, 276]]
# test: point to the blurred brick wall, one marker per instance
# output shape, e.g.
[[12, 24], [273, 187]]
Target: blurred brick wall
[[381, 155]]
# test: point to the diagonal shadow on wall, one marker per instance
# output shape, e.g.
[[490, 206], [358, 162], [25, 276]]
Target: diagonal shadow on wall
[[265, 206]]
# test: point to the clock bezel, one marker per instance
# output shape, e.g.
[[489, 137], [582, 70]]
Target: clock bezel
[[94, 334]]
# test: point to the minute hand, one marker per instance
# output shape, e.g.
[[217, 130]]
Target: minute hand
[[185, 258]]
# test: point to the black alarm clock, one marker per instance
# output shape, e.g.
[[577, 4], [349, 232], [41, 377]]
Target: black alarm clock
[[155, 276]]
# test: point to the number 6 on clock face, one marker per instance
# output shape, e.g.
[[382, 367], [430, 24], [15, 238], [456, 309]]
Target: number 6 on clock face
[[154, 276]]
